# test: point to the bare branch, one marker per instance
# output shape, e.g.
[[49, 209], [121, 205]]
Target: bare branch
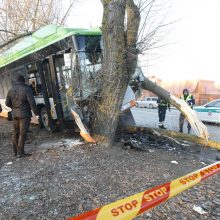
[[67, 13], [19, 17], [8, 32]]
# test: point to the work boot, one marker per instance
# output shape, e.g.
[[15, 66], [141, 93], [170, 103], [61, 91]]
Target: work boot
[[23, 155], [162, 127], [181, 130], [20, 155]]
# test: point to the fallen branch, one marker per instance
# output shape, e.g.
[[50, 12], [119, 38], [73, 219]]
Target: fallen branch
[[198, 127], [173, 139], [194, 139]]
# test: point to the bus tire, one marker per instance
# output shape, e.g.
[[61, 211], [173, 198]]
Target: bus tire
[[44, 119]]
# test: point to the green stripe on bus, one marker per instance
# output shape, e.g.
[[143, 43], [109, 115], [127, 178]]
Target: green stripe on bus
[[208, 110]]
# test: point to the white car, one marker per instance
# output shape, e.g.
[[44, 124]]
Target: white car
[[147, 102], [209, 112]]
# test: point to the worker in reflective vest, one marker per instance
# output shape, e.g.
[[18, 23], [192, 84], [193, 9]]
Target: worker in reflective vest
[[191, 102], [162, 108]]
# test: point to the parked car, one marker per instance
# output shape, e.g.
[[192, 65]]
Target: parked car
[[209, 112], [147, 102]]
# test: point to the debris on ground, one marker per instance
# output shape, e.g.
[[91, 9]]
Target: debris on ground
[[66, 177], [199, 209], [174, 162]]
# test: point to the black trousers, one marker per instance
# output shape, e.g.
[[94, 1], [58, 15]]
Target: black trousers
[[181, 122], [162, 114], [21, 126]]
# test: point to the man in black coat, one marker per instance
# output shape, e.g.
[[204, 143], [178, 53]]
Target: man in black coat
[[21, 100], [162, 108], [0, 108]]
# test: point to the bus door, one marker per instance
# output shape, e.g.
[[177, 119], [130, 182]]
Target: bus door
[[64, 81], [47, 111]]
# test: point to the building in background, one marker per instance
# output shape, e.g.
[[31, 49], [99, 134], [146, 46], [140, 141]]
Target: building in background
[[203, 90]]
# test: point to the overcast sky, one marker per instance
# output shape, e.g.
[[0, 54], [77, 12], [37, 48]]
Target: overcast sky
[[194, 39]]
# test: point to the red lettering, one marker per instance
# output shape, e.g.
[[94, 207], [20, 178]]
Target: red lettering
[[183, 182], [193, 177], [134, 203], [114, 212], [128, 206], [188, 179], [208, 171], [121, 208]]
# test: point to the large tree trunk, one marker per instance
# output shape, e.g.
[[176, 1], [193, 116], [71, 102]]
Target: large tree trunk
[[119, 64], [199, 128], [114, 80]]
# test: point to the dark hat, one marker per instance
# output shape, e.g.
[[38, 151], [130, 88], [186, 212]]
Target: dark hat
[[186, 91]]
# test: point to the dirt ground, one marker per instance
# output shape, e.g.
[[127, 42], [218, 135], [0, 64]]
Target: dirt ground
[[65, 177]]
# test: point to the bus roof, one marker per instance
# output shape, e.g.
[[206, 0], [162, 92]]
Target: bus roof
[[40, 39]]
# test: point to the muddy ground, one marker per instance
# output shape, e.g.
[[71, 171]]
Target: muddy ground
[[65, 177]]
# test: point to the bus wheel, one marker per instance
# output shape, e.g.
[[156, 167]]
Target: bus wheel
[[44, 119]]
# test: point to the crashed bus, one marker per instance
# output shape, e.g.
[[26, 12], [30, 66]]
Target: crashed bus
[[60, 65]]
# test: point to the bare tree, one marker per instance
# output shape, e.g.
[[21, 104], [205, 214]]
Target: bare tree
[[123, 40], [120, 31], [20, 18]]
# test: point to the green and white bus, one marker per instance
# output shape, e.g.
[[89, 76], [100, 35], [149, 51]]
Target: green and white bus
[[61, 67]]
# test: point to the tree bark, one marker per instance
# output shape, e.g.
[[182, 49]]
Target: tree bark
[[119, 64], [114, 80], [133, 23]]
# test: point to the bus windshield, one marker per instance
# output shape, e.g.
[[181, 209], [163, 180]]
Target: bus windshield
[[89, 51]]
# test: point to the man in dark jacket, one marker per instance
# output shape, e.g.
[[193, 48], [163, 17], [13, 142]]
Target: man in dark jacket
[[162, 108], [0, 108], [21, 100]]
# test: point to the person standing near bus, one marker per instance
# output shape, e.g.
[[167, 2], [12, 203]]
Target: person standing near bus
[[21, 100], [189, 99], [162, 108]]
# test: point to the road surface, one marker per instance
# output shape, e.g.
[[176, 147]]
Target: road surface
[[149, 118]]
